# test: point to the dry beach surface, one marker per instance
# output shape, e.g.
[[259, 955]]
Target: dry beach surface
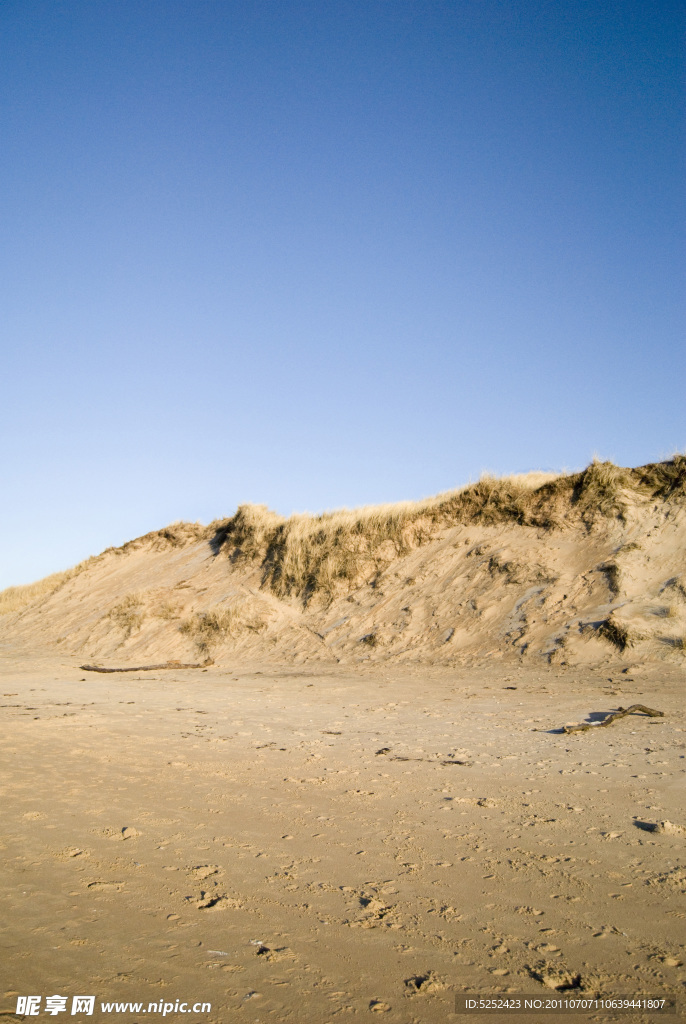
[[236, 836], [366, 805]]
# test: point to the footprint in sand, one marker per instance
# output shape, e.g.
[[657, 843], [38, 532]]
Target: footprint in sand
[[423, 984], [273, 955], [217, 901], [116, 834], [208, 901], [373, 912], [201, 871]]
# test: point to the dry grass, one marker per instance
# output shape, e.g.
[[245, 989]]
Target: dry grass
[[675, 588], [307, 555], [663, 479], [677, 643], [599, 491], [209, 629], [617, 633], [128, 614], [613, 575], [166, 610], [668, 611], [519, 572], [532, 480], [248, 533], [177, 535], [323, 555], [13, 599]]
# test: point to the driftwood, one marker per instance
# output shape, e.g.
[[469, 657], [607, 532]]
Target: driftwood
[[146, 668], [620, 713]]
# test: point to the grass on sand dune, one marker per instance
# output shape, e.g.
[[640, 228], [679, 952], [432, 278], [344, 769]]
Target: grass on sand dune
[[207, 629], [13, 599], [309, 555]]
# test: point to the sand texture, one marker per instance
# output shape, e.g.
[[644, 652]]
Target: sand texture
[[312, 846]]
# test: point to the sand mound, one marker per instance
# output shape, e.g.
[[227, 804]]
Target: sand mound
[[575, 568]]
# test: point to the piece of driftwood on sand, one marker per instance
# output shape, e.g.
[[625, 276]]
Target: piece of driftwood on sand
[[147, 668], [619, 713]]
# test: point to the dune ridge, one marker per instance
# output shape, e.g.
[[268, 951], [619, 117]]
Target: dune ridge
[[573, 568]]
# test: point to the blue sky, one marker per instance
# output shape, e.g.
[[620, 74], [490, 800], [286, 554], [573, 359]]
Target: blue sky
[[326, 253]]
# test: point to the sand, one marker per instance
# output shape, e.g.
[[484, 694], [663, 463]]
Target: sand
[[323, 842], [367, 804]]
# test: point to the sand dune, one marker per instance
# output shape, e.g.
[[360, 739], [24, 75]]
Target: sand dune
[[577, 569]]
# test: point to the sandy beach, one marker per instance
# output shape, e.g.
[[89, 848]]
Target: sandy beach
[[315, 844]]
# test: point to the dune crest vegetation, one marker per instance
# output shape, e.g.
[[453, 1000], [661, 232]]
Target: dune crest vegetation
[[310, 554], [570, 568]]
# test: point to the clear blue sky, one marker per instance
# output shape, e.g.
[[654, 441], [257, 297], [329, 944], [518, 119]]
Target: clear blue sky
[[314, 253]]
